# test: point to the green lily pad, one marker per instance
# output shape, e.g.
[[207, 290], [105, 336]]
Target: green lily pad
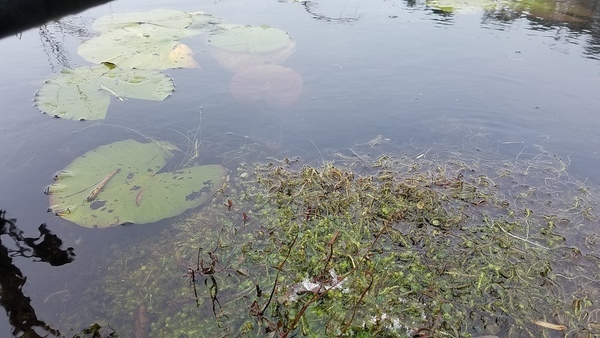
[[249, 39], [84, 93], [239, 47], [204, 21], [146, 40], [120, 183], [141, 46], [166, 18]]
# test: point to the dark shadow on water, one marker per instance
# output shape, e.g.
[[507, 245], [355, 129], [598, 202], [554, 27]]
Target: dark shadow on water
[[17, 16], [44, 248]]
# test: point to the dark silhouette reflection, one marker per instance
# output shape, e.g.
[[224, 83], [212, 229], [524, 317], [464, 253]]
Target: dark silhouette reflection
[[19, 15], [44, 248]]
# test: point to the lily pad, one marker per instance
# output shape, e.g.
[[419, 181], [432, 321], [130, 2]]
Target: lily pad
[[238, 47], [166, 18], [279, 86], [84, 93], [236, 62], [146, 40], [204, 21], [249, 39], [120, 183], [141, 46]]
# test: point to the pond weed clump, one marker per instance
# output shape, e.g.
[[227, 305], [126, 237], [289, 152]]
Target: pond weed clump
[[396, 247]]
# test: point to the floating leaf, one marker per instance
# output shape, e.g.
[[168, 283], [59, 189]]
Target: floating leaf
[[238, 47], [146, 40], [236, 62], [202, 20], [249, 39], [279, 86], [166, 18], [141, 46], [84, 93], [120, 183]]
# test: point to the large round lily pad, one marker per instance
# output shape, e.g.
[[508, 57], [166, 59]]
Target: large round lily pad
[[142, 46], [238, 47], [251, 39], [84, 93], [167, 18], [146, 40], [279, 86], [120, 183]]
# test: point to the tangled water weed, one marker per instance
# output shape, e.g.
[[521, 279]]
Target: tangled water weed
[[406, 246]]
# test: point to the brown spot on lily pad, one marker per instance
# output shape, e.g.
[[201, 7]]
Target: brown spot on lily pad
[[279, 86], [97, 205]]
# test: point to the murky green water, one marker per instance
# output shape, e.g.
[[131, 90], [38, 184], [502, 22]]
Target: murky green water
[[510, 82]]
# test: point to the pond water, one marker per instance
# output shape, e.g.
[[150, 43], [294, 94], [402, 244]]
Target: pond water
[[508, 82]]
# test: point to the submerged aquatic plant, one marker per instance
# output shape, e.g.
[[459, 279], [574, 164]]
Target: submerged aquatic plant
[[396, 247]]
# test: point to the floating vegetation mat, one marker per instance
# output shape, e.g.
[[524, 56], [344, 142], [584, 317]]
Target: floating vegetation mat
[[427, 245]]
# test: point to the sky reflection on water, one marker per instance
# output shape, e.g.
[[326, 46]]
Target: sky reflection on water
[[512, 79]]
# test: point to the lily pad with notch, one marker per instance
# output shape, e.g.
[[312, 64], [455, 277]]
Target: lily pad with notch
[[84, 93], [146, 40], [122, 183], [167, 18], [141, 46]]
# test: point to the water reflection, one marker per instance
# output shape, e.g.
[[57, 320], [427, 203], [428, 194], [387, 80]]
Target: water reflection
[[44, 248], [312, 8], [569, 19], [55, 37]]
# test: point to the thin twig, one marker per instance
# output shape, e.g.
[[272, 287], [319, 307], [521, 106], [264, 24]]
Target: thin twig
[[521, 238], [279, 268], [112, 92], [322, 159]]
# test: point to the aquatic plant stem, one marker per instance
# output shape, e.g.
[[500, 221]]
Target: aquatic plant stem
[[322, 158]]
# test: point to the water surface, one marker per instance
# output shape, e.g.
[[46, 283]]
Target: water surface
[[507, 82]]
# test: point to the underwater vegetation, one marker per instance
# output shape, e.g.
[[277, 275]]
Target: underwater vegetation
[[431, 245]]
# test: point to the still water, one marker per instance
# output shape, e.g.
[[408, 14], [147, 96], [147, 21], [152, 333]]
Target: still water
[[506, 81]]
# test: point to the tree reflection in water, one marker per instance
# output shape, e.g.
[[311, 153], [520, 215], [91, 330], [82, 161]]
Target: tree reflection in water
[[44, 248]]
